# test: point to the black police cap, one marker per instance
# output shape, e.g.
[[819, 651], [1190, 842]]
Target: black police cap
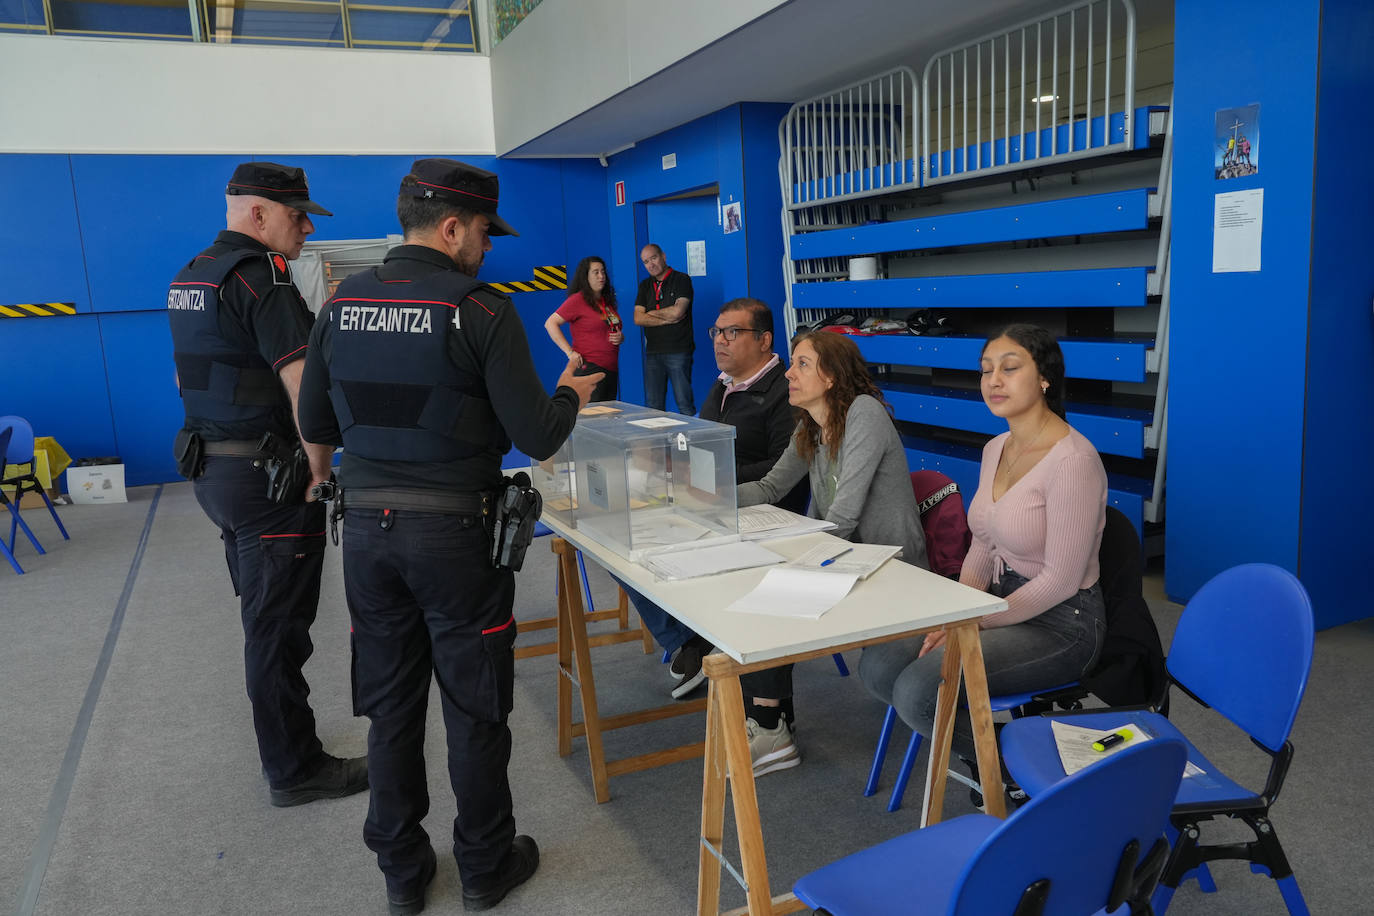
[[281, 183], [457, 182]]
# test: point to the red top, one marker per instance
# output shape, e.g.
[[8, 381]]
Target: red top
[[591, 327]]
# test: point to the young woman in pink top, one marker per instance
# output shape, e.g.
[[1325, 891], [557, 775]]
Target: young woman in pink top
[[596, 335], [1037, 522]]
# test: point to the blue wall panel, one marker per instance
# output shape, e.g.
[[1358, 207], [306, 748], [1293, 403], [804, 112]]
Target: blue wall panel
[[40, 248], [143, 397], [1338, 437], [55, 378], [143, 218], [762, 206], [1237, 354]]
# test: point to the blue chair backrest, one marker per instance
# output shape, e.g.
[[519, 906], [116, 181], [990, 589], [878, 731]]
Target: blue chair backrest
[[5, 435], [1074, 834], [21, 445], [1244, 647]]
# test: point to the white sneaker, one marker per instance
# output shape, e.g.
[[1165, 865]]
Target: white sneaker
[[771, 748]]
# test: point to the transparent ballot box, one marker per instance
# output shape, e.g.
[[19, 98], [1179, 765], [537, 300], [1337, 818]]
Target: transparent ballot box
[[556, 477], [640, 480]]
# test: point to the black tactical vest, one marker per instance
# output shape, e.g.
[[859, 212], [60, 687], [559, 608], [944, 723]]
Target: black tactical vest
[[224, 380], [395, 390]]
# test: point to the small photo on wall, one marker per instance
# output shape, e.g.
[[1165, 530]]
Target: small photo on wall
[[734, 219], [1236, 152]]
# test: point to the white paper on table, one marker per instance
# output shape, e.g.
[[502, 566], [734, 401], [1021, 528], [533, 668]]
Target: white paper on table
[[657, 422], [794, 593], [861, 560], [761, 522], [1075, 743], [664, 530], [706, 561]]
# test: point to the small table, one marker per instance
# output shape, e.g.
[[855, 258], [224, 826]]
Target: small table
[[897, 601]]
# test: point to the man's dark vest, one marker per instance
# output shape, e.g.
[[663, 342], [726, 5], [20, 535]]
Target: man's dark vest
[[222, 380], [396, 391]]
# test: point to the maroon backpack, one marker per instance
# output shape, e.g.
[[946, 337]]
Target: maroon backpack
[[943, 518]]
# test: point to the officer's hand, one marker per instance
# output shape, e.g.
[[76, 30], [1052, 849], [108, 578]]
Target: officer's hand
[[582, 384], [311, 486]]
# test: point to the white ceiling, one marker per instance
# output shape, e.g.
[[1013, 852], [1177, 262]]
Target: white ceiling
[[799, 50]]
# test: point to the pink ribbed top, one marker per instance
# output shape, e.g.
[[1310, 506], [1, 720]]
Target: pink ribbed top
[[1047, 527]]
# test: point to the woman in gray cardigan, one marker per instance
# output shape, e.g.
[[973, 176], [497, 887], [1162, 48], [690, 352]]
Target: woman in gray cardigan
[[847, 444]]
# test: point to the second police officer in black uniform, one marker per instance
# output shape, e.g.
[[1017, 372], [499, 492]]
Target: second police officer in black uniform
[[239, 330], [425, 376]]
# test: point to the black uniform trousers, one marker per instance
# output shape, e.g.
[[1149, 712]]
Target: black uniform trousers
[[275, 555], [424, 597]]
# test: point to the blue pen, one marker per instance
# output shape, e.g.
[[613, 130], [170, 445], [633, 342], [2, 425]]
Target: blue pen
[[836, 556]]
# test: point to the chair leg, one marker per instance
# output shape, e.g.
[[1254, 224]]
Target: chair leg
[[52, 510], [9, 555], [1292, 897], [16, 522], [839, 663], [904, 775], [884, 736]]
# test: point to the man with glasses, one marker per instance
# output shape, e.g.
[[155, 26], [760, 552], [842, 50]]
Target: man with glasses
[[750, 395]]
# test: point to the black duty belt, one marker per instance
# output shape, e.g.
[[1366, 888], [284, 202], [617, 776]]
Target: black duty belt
[[233, 448], [415, 499]]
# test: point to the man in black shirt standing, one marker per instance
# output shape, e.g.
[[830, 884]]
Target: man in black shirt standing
[[424, 375], [663, 308], [239, 330]]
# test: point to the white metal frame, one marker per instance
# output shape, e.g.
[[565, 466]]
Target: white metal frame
[[945, 81]]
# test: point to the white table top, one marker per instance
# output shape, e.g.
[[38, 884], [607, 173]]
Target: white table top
[[897, 598]]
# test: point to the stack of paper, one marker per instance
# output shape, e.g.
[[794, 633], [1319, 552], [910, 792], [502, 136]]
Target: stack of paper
[[1075, 743], [705, 561], [795, 593], [757, 523], [858, 560]]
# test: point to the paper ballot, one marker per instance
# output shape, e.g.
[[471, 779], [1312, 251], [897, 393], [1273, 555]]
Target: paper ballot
[[757, 523], [795, 593], [1075, 743], [706, 561]]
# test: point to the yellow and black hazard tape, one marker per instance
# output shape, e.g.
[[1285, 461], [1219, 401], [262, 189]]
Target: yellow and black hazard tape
[[37, 309], [545, 278]]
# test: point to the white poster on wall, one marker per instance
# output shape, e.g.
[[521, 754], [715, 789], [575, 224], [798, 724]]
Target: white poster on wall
[[1237, 230], [696, 258]]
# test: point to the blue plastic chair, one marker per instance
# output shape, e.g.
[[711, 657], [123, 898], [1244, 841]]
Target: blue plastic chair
[[1243, 647], [1015, 702], [21, 452], [5, 435], [1093, 842]]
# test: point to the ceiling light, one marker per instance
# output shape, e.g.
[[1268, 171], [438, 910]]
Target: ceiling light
[[1045, 98]]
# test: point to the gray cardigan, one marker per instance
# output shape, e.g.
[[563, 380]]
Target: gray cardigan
[[866, 492]]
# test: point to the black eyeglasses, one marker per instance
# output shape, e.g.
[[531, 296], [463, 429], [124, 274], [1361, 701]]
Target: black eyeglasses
[[729, 333]]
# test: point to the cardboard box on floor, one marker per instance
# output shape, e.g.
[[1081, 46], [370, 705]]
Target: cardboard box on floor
[[96, 483]]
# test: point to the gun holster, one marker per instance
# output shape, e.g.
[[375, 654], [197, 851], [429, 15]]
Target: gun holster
[[517, 508], [189, 451], [287, 469]]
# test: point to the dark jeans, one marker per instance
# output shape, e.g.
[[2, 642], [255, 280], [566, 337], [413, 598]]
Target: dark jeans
[[659, 368], [275, 555], [424, 597], [1050, 649], [608, 389]]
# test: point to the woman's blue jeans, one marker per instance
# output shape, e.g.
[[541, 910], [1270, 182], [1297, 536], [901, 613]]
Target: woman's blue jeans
[[1050, 649]]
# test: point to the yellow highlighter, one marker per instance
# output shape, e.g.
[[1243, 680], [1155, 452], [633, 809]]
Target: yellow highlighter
[[1109, 741]]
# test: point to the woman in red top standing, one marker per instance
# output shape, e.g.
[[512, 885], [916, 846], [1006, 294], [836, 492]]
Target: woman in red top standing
[[596, 335]]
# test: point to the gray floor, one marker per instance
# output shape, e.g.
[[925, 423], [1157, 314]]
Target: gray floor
[[162, 807]]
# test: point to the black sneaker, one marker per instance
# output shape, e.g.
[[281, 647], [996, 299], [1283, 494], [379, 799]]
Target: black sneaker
[[410, 901], [520, 863], [335, 778], [686, 666]]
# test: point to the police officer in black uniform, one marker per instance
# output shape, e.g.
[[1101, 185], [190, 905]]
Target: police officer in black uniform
[[239, 331], [425, 376]]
